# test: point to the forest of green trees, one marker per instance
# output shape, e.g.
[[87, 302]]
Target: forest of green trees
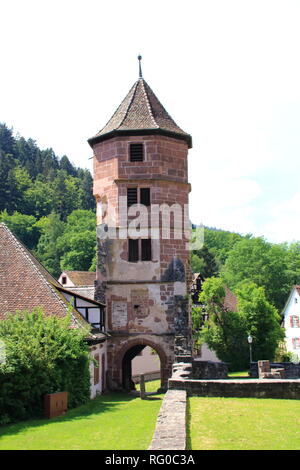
[[48, 203]]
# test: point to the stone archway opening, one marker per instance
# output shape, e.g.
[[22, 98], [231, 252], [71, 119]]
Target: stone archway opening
[[134, 364]]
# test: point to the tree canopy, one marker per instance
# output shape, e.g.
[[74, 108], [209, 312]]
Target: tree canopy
[[38, 182], [237, 258], [226, 331], [261, 262]]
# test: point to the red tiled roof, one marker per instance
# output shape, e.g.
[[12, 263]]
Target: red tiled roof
[[81, 278], [140, 111], [297, 287], [25, 283]]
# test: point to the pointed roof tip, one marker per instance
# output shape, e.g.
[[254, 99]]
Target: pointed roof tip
[[140, 66], [140, 113]]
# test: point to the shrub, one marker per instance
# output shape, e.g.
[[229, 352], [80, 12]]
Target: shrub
[[42, 355]]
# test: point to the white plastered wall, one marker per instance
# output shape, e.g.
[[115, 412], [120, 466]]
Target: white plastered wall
[[292, 308], [100, 350]]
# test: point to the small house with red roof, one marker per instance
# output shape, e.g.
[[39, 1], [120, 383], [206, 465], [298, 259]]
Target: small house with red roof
[[81, 282]]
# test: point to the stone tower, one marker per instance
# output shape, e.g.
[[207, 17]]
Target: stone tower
[[141, 189]]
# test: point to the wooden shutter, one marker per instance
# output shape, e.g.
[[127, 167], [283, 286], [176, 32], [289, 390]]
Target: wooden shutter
[[133, 250], [146, 249], [132, 196], [136, 152], [145, 196]]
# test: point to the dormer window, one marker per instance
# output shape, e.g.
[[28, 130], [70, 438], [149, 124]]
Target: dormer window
[[136, 152], [64, 280]]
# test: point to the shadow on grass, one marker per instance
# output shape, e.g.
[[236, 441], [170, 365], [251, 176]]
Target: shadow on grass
[[101, 404], [152, 398]]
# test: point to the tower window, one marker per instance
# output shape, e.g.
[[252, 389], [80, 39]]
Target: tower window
[[145, 196], [138, 197], [133, 250], [139, 250], [146, 249], [132, 196], [136, 152]]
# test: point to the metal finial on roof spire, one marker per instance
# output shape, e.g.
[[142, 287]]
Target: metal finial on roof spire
[[140, 66]]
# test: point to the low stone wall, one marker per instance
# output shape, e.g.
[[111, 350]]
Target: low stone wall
[[292, 371], [148, 376], [182, 370], [253, 388], [170, 432], [209, 369]]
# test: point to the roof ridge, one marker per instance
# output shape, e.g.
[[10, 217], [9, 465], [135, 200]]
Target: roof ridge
[[77, 271], [19, 245], [148, 102], [128, 107]]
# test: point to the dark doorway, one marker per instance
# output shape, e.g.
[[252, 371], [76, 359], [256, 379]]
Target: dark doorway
[[127, 381]]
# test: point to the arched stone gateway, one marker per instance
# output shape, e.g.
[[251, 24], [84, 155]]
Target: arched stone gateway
[[140, 158], [129, 350]]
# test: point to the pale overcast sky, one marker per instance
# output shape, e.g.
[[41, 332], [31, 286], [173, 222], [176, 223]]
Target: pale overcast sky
[[227, 71]]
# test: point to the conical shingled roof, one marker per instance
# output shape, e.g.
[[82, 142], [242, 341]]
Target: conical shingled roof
[[140, 113]]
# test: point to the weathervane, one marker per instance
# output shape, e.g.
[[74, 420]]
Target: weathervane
[[140, 66]]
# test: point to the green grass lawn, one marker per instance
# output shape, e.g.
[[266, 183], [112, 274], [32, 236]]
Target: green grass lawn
[[151, 387], [243, 424], [243, 374], [116, 421]]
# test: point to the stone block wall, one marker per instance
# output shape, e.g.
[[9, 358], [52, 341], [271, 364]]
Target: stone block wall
[[271, 388], [292, 371], [170, 432], [209, 370]]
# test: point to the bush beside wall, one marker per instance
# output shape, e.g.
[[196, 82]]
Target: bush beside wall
[[42, 355]]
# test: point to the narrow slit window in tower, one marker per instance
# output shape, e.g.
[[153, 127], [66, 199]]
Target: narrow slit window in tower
[[145, 196], [136, 152], [133, 250], [132, 196], [146, 249]]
